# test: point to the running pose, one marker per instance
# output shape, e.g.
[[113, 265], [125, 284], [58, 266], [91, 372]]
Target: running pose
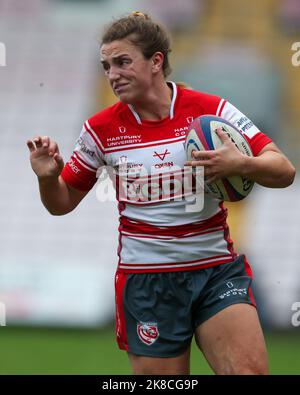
[[178, 275]]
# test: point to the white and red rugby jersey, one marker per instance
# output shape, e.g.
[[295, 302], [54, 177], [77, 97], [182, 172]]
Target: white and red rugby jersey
[[156, 232]]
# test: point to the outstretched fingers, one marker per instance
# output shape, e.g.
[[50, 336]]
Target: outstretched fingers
[[45, 141], [53, 148], [30, 145], [38, 141], [59, 160]]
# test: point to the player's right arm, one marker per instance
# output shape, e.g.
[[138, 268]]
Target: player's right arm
[[58, 197]]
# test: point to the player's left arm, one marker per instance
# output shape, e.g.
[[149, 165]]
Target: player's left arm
[[270, 168]]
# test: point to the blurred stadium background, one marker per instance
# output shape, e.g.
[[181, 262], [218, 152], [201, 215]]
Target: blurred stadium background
[[56, 273]]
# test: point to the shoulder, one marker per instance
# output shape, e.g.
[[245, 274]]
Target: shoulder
[[100, 125], [208, 103], [100, 121]]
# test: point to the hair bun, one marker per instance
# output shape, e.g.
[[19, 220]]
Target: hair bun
[[138, 13]]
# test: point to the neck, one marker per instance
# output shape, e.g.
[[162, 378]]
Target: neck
[[155, 106]]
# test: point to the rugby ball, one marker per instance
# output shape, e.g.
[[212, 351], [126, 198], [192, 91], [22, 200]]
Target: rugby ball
[[201, 136]]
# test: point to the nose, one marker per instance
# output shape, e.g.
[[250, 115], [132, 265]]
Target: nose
[[113, 74]]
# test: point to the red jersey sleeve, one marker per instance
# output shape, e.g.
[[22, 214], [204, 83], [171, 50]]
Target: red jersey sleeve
[[83, 167], [256, 139]]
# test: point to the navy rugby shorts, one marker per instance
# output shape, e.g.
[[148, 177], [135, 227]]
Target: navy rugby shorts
[[157, 313]]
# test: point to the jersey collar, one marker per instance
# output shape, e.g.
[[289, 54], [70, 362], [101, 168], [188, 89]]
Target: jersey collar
[[171, 114]]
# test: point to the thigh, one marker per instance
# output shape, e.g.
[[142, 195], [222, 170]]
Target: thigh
[[226, 284], [153, 315], [179, 365], [232, 341]]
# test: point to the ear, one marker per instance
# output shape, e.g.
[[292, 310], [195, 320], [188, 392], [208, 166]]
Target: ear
[[157, 62]]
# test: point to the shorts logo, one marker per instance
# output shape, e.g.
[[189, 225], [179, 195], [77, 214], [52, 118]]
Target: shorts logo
[[147, 332], [233, 292]]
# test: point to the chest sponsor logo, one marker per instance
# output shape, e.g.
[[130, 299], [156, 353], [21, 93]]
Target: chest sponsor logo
[[164, 165], [127, 169], [147, 332], [116, 141], [162, 155]]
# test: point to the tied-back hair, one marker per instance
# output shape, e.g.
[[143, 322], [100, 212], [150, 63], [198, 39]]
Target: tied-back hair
[[142, 32]]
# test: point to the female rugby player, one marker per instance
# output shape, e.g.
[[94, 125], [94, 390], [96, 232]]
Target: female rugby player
[[178, 275]]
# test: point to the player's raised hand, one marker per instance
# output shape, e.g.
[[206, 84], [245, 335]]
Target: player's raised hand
[[45, 158]]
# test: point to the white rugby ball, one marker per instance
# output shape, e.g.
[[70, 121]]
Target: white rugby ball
[[201, 136]]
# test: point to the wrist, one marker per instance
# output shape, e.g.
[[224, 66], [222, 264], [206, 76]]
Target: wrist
[[47, 180], [246, 166]]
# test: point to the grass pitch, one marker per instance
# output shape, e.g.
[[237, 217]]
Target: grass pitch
[[58, 351]]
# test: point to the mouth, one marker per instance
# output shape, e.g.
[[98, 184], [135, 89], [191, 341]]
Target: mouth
[[119, 87]]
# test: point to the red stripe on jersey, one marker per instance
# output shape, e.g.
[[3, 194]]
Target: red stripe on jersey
[[258, 142], [221, 109], [141, 227], [227, 234], [177, 263], [83, 161], [121, 334], [228, 239], [248, 270], [158, 269], [171, 237], [98, 143], [121, 208]]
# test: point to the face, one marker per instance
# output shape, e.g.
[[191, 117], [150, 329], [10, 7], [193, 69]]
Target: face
[[128, 72]]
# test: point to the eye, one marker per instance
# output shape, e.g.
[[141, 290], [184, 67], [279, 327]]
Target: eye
[[105, 66], [124, 62]]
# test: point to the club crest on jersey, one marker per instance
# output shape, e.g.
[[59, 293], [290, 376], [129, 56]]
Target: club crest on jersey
[[123, 159], [189, 119], [122, 129], [147, 332]]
